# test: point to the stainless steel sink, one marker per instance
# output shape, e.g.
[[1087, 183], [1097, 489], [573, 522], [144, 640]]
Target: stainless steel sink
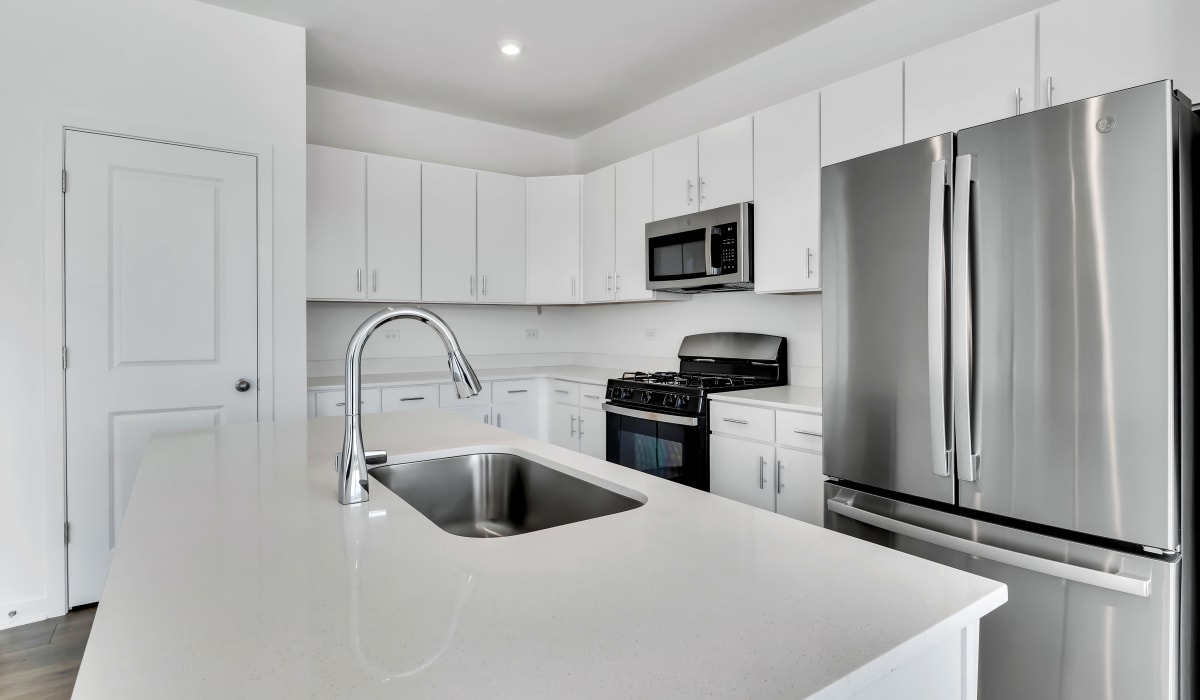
[[497, 494]]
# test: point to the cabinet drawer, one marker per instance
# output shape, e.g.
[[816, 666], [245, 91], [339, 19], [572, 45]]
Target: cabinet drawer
[[515, 390], [564, 392], [332, 403], [742, 421], [449, 396], [801, 430], [591, 396], [407, 398]]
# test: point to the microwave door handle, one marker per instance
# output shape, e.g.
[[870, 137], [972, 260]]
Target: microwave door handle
[[708, 256]]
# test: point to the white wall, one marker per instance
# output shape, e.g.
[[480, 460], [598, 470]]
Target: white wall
[[875, 34], [364, 124], [167, 64]]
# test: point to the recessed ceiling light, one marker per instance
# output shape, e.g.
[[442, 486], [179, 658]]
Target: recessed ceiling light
[[511, 47]]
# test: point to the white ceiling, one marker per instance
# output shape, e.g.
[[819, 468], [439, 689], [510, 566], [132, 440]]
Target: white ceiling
[[586, 63]]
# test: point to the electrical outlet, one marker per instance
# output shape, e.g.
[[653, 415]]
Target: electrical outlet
[[531, 334], [391, 335], [650, 334]]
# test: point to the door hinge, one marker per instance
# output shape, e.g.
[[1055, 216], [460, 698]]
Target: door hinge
[[64, 181], [66, 533], [64, 356]]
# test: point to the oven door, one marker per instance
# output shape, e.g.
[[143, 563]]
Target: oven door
[[666, 445]]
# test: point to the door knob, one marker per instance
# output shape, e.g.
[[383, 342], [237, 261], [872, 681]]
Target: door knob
[[242, 385]]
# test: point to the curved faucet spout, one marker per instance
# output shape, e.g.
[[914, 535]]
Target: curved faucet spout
[[352, 461]]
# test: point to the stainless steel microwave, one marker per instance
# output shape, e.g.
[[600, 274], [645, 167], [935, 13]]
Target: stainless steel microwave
[[709, 251]]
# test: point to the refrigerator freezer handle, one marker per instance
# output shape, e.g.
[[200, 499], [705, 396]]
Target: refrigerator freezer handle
[[1119, 582], [966, 437], [939, 190]]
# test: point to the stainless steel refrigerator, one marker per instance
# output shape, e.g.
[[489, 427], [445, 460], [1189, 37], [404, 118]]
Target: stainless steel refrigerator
[[1007, 389]]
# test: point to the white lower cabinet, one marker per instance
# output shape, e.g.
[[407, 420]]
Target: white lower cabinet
[[576, 420], [742, 470], [592, 433], [563, 429], [768, 459], [521, 418]]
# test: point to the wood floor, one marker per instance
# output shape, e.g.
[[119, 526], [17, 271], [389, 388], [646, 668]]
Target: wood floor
[[39, 661]]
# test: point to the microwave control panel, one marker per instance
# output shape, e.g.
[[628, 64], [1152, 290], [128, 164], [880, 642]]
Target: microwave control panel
[[724, 252]]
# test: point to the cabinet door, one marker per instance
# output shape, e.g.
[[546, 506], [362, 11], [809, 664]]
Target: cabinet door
[[337, 243], [972, 80], [592, 430], [519, 417], [393, 229], [800, 485], [675, 169], [742, 470], [597, 243], [1091, 47], [479, 414], [564, 431], [863, 114], [447, 233], [787, 196], [634, 186], [552, 239], [726, 156], [501, 239]]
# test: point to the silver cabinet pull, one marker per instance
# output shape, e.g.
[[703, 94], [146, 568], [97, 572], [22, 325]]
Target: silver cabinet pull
[[762, 473], [962, 379], [358, 279], [590, 396], [572, 286], [808, 257], [618, 277], [580, 419], [939, 192], [739, 421], [689, 191], [484, 290], [700, 190], [1018, 100], [497, 420], [487, 420], [522, 391], [374, 280], [778, 477], [558, 391], [806, 432], [608, 282], [412, 398], [343, 403], [572, 426], [472, 283], [1050, 91]]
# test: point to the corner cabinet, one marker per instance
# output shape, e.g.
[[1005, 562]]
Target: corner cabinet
[[552, 240], [710, 170], [787, 196]]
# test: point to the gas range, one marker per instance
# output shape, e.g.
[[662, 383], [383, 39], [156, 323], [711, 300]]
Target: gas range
[[679, 391], [657, 422]]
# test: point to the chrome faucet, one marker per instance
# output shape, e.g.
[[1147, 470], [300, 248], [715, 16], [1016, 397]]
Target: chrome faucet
[[352, 461]]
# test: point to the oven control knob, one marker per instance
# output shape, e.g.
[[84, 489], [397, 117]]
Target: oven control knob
[[680, 401], [645, 397]]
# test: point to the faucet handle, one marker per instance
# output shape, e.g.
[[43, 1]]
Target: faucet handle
[[375, 457]]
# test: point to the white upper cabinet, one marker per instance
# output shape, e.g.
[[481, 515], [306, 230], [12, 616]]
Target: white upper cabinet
[[393, 229], [706, 171], [598, 243], [1090, 47], [973, 80], [337, 193], [634, 209], [676, 168], [552, 239], [726, 164], [447, 233], [787, 196], [863, 114], [501, 242]]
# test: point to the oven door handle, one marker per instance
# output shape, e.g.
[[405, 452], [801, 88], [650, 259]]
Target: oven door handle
[[648, 415]]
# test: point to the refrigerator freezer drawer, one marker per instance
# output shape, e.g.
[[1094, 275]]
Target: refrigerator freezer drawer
[[1082, 622]]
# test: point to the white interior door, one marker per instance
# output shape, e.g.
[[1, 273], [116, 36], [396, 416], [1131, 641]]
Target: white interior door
[[161, 318]]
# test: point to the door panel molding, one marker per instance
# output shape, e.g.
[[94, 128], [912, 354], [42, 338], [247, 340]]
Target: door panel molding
[[54, 131]]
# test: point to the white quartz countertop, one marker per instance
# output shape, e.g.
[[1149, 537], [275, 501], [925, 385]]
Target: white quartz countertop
[[238, 575], [571, 373], [786, 398]]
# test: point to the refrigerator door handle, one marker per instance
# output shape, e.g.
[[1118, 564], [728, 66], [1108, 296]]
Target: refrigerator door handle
[[1119, 582], [966, 437], [939, 189]]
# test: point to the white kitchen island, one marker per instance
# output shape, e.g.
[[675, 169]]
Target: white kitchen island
[[239, 575]]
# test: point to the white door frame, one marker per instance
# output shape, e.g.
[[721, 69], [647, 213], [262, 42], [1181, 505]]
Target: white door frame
[[54, 380]]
